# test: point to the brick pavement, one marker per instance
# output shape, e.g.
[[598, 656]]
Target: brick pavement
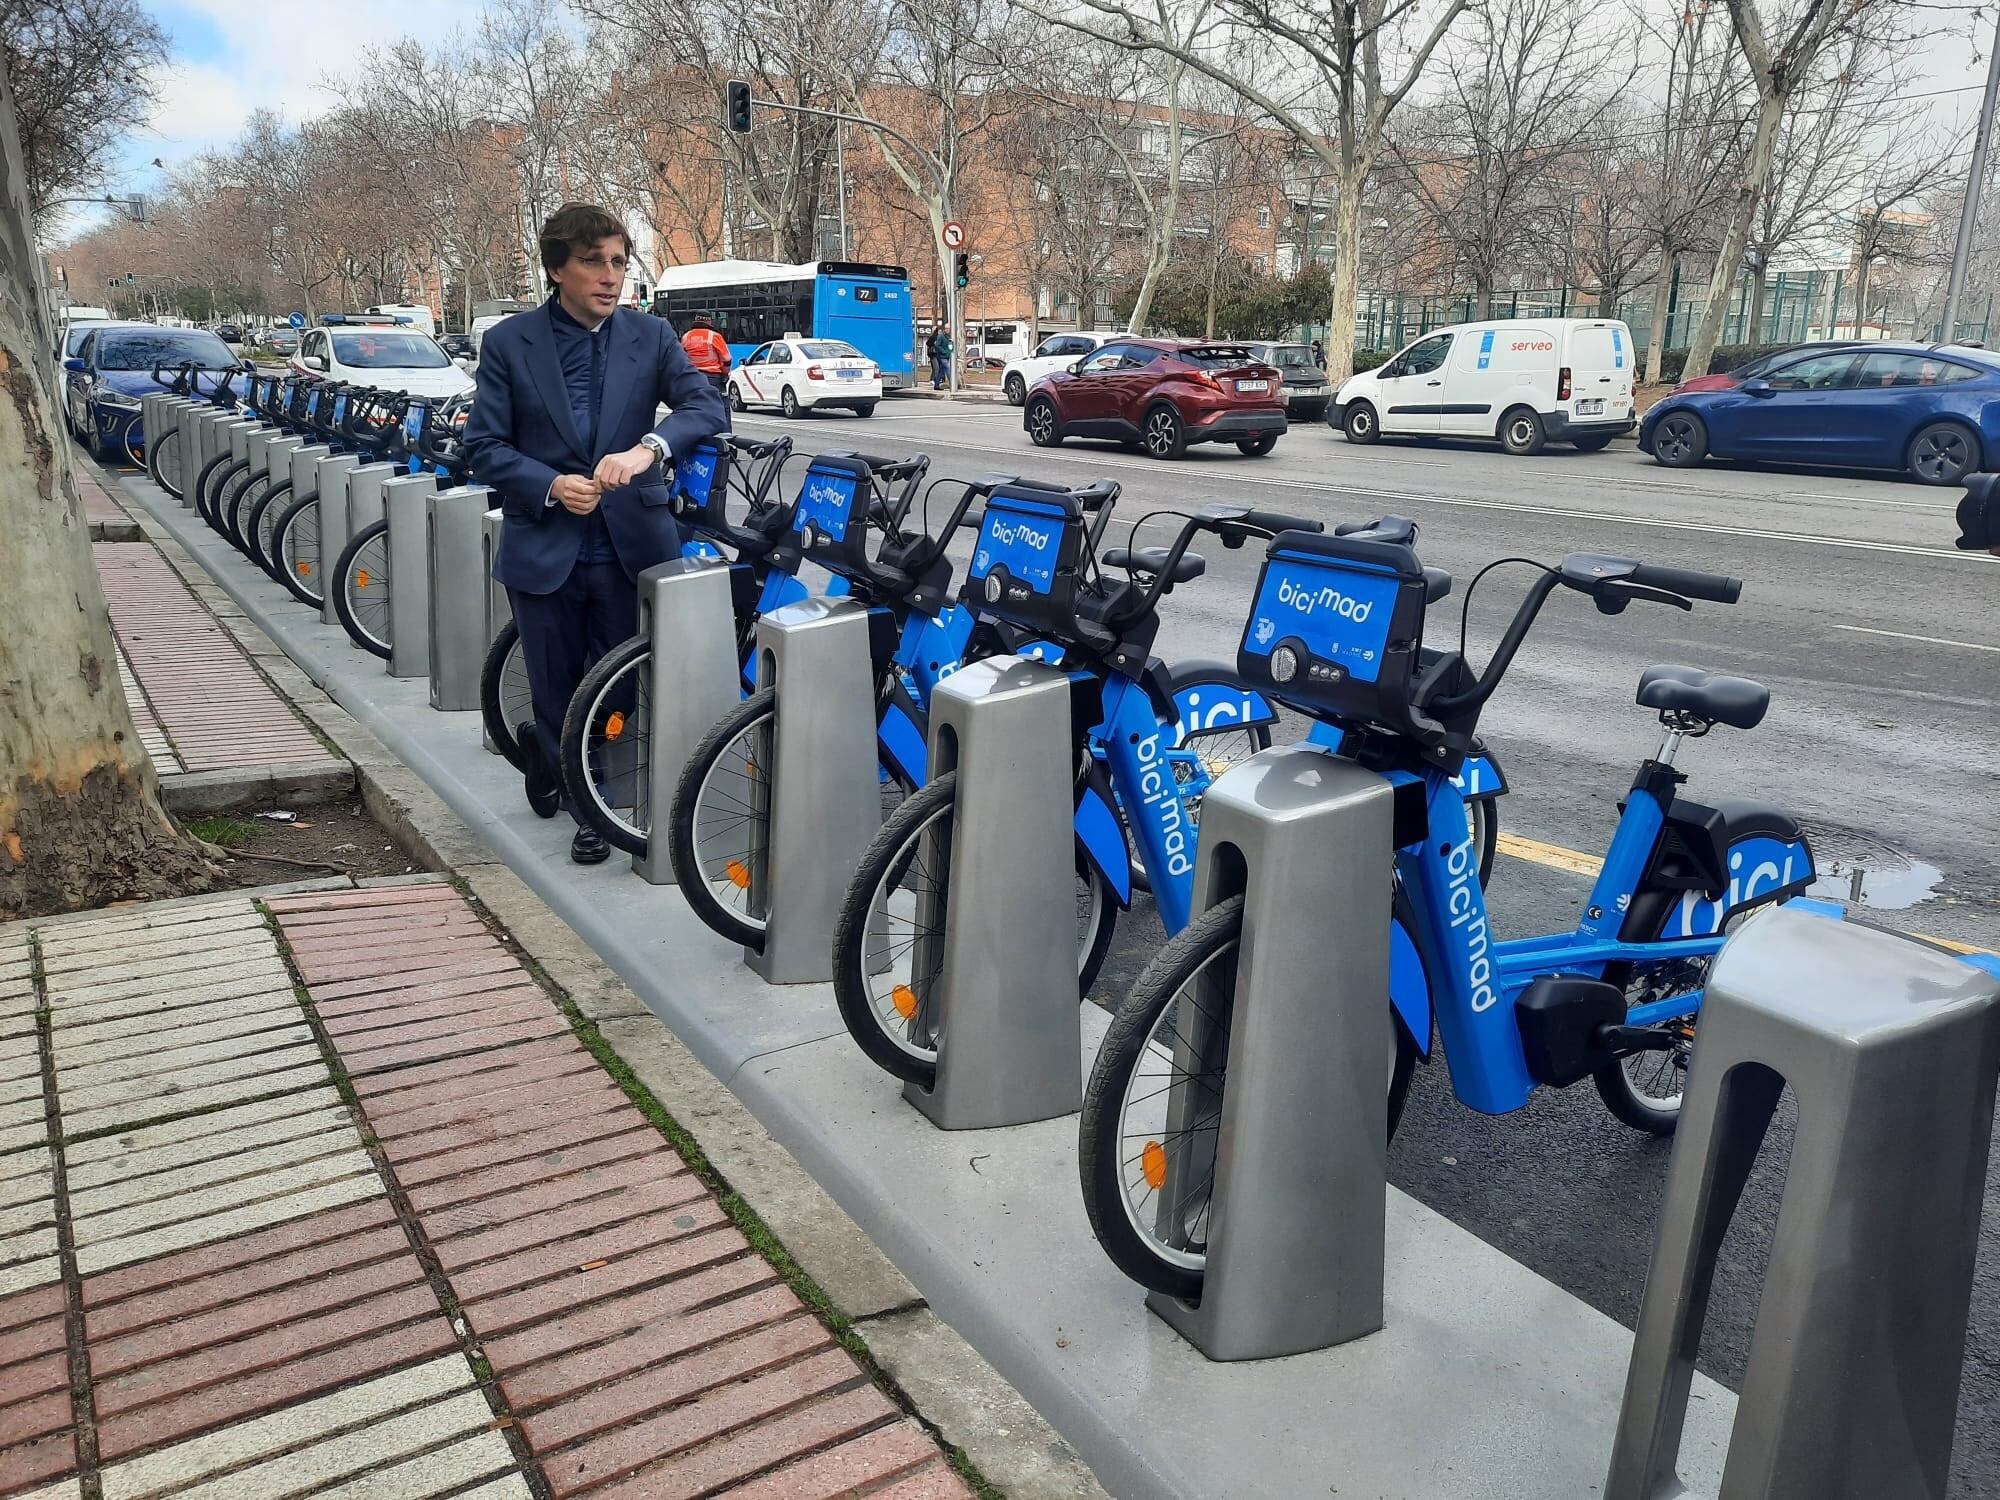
[[400, 1237], [107, 519], [198, 694]]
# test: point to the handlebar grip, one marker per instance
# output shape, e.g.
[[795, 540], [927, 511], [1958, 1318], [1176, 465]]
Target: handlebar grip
[[1277, 520], [1689, 583]]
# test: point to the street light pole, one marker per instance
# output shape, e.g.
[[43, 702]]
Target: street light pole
[[1968, 214]]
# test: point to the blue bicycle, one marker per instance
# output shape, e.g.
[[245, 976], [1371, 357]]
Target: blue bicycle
[[1336, 632]]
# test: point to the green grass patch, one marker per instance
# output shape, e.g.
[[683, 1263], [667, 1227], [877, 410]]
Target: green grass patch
[[222, 830]]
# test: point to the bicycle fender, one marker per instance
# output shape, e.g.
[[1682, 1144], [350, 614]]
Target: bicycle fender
[[1409, 987], [1480, 778], [1211, 695], [1100, 835], [899, 735]]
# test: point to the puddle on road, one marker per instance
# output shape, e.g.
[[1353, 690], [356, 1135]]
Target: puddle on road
[[1858, 867]]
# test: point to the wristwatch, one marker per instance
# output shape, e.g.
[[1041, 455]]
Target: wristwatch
[[658, 444]]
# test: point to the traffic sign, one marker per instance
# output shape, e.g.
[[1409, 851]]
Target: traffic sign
[[297, 320], [954, 235]]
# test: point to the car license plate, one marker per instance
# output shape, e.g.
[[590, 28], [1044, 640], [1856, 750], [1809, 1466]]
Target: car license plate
[[1309, 390], [848, 374], [1590, 408], [1253, 385]]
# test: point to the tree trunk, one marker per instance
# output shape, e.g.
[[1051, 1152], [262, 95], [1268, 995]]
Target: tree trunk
[[1156, 265], [1656, 345], [1482, 299], [80, 816], [1756, 176], [1860, 295], [1607, 300], [1346, 276], [1759, 284]]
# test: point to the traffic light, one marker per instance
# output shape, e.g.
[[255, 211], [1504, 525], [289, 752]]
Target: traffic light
[[964, 270], [739, 108]]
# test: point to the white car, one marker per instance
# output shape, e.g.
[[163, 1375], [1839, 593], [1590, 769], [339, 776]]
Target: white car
[[1056, 352], [799, 375], [395, 359]]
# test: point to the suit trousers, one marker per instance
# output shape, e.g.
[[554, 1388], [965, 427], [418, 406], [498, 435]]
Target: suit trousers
[[564, 633]]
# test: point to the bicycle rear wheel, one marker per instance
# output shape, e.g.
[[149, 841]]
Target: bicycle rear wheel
[[360, 581], [1152, 1112], [163, 462], [506, 702], [295, 547], [889, 1001], [607, 745]]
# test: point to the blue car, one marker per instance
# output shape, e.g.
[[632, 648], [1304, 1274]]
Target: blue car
[[113, 367], [1932, 411]]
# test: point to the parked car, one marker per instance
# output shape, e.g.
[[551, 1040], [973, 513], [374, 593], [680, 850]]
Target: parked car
[[1306, 392], [1056, 352], [72, 323], [1763, 364], [229, 333], [1161, 395], [1523, 381], [395, 359], [1931, 411], [113, 368], [280, 340], [457, 345], [802, 375]]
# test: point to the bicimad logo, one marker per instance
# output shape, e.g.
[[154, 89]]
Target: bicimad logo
[[1007, 533], [1308, 601], [1263, 631]]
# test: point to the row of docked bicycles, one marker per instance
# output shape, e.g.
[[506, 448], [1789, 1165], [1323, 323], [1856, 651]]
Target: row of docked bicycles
[[1333, 646], [1333, 643]]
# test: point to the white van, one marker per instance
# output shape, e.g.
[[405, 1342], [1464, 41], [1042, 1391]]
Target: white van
[[419, 316], [1524, 381]]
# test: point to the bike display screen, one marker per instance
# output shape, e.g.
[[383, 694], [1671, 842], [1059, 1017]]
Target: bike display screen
[[1334, 617], [826, 503], [1022, 542]]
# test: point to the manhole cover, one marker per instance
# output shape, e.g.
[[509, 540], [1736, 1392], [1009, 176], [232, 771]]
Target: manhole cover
[[1859, 867]]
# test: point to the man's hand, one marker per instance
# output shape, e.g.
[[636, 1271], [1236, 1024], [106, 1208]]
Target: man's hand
[[615, 469], [575, 494]]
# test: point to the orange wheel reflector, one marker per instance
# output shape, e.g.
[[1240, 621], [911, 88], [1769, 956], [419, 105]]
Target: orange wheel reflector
[[738, 873], [305, 569], [361, 578], [906, 1001], [1153, 1162], [614, 725]]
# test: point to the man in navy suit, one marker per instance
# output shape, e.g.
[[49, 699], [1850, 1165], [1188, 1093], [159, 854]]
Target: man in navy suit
[[562, 427]]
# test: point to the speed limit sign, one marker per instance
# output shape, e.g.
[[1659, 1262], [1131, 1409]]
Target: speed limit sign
[[954, 235]]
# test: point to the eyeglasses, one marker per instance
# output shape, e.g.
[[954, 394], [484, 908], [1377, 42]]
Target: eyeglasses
[[599, 263]]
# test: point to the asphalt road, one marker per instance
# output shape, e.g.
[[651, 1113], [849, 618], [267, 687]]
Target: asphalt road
[[1880, 644]]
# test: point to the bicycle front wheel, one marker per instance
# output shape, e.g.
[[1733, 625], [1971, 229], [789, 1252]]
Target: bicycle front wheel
[[205, 485], [163, 462], [506, 702], [295, 545], [361, 589], [260, 530], [721, 819], [886, 987], [607, 761], [1152, 1112]]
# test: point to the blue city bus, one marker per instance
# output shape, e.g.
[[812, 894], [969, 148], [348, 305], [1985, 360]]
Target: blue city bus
[[751, 302]]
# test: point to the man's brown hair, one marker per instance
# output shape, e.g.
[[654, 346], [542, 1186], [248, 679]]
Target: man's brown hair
[[574, 229]]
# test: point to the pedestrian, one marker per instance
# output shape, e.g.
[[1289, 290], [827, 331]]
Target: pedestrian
[[562, 428], [1319, 355], [709, 350], [940, 352]]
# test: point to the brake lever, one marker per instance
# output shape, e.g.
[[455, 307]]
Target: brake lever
[[1612, 596]]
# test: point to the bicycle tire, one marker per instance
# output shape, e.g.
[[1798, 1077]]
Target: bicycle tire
[[627, 664], [343, 582], [300, 571], [890, 855], [204, 481], [257, 527], [755, 714], [504, 664], [159, 469], [237, 512], [225, 483], [1102, 1159]]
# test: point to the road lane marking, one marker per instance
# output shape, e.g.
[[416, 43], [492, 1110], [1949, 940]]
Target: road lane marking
[[1575, 862], [1335, 489], [1928, 640], [1864, 500]]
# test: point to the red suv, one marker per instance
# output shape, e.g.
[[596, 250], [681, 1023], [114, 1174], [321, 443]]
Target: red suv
[[1161, 395]]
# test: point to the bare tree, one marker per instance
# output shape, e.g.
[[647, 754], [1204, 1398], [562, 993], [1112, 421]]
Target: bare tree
[[1591, 205], [1779, 58], [80, 816], [1886, 231], [1529, 85], [536, 90], [1231, 173], [1338, 45], [82, 73]]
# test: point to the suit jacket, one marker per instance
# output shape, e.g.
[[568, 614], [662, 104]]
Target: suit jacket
[[521, 435]]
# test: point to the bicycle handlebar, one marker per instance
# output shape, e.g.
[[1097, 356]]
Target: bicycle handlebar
[[1690, 583]]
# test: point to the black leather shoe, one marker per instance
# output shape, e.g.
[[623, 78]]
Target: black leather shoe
[[588, 848], [543, 787]]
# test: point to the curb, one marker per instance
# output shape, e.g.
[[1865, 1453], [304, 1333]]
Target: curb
[[196, 792], [951, 1387]]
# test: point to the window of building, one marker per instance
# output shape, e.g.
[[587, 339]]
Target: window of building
[[1263, 216]]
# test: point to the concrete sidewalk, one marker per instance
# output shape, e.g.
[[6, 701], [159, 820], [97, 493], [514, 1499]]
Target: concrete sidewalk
[[318, 1192]]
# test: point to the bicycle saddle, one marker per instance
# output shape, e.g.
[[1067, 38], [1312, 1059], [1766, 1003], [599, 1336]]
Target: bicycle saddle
[[1736, 701], [1150, 560]]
